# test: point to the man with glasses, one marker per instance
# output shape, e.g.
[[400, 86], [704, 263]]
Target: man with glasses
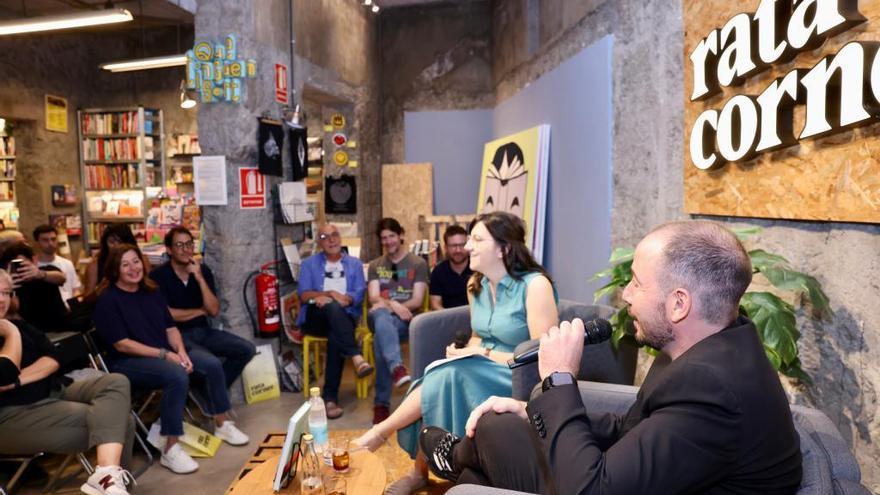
[[188, 286], [449, 278], [396, 286], [331, 284]]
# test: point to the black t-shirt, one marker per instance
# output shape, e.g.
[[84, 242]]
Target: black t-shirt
[[141, 316], [450, 286], [41, 305], [34, 345], [184, 296]]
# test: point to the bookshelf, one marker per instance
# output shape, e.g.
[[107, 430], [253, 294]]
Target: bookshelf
[[122, 166], [8, 208]]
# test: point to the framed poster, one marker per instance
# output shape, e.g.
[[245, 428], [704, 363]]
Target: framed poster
[[514, 179], [209, 175], [56, 113]]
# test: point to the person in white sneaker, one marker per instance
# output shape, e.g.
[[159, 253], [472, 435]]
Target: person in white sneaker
[[39, 412], [132, 317]]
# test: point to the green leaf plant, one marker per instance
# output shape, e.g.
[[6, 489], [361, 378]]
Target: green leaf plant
[[773, 317]]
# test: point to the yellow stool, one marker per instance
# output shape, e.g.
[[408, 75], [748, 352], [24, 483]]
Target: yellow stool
[[312, 344]]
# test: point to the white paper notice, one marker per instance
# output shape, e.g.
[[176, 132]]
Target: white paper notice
[[209, 174]]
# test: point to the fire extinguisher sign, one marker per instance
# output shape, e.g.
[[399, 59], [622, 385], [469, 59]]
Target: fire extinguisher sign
[[252, 186]]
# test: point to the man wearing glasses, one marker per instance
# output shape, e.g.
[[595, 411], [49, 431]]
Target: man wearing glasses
[[331, 284], [396, 286], [189, 287], [449, 278]]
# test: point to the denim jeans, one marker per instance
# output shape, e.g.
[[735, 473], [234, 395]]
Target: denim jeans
[[333, 322], [388, 330], [152, 373], [234, 351]]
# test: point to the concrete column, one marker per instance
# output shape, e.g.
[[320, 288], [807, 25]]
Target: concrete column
[[239, 241]]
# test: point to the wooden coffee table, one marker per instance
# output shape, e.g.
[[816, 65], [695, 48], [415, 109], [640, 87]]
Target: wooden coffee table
[[366, 476]]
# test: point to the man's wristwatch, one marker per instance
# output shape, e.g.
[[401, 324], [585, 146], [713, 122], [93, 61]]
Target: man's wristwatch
[[556, 379], [162, 353]]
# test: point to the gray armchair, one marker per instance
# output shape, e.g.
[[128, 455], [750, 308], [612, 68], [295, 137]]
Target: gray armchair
[[829, 466], [431, 332]]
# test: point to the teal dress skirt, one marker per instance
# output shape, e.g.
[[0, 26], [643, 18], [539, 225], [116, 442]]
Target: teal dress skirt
[[451, 390]]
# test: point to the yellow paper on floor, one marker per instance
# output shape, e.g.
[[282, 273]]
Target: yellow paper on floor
[[197, 442]]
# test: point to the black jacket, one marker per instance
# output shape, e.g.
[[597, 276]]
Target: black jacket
[[715, 420]]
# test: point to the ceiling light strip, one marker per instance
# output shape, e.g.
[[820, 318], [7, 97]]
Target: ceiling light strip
[[65, 21], [145, 63]]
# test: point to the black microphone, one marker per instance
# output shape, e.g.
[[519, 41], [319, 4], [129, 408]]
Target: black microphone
[[595, 332], [462, 337]]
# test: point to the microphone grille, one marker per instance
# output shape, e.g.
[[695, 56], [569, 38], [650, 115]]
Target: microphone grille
[[596, 331]]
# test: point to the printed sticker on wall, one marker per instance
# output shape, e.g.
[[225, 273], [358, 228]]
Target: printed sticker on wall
[[340, 158], [339, 139], [337, 120]]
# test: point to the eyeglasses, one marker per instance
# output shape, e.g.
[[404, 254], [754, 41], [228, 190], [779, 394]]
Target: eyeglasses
[[455, 246], [7, 293], [182, 245], [334, 235]]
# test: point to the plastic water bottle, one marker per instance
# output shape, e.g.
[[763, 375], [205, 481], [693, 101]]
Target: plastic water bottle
[[318, 424], [312, 482]]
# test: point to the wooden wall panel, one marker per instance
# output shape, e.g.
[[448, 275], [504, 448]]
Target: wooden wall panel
[[407, 192], [831, 178]]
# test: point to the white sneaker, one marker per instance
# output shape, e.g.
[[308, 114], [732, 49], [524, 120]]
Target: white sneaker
[[178, 461], [108, 480], [230, 434]]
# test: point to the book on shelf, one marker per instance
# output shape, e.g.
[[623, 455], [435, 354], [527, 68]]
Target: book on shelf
[[70, 222], [7, 168], [111, 149], [7, 146], [7, 191], [95, 229], [110, 123], [63, 194], [112, 176]]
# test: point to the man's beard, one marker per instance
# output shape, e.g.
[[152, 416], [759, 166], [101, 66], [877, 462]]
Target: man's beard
[[657, 331]]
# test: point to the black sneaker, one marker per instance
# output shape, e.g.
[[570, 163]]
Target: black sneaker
[[436, 444]]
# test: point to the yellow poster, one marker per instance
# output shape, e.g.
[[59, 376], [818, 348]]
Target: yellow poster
[[514, 179], [56, 113]]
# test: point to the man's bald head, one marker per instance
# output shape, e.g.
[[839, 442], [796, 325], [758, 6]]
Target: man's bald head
[[709, 261]]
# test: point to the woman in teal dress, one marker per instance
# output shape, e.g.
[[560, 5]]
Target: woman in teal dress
[[512, 300]]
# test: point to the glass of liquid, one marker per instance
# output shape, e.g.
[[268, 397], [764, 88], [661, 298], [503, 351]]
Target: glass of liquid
[[336, 486], [340, 452]]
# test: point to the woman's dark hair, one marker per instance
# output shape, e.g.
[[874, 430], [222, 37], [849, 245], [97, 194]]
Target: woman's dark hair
[[14, 251], [120, 231], [111, 269], [509, 232]]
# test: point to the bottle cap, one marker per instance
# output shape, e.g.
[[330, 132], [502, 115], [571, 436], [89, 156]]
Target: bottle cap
[[314, 391], [307, 437]]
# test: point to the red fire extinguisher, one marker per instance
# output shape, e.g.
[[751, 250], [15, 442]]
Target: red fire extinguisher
[[269, 316]]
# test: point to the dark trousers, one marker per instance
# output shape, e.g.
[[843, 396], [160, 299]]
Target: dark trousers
[[504, 453], [234, 352], [333, 322]]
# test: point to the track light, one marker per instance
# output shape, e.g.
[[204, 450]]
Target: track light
[[186, 101], [145, 63], [368, 2], [375, 9], [65, 21]]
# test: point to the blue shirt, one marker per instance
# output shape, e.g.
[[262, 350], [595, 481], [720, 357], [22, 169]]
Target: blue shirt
[[184, 295], [311, 278], [505, 324], [142, 316]]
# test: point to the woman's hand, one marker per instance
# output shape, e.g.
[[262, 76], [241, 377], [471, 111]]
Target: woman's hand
[[452, 351], [181, 359]]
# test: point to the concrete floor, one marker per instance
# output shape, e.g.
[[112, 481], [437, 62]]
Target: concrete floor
[[215, 474]]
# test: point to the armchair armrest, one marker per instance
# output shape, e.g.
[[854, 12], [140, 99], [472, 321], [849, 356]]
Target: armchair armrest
[[431, 332]]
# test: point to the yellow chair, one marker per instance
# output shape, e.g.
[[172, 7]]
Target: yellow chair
[[318, 345]]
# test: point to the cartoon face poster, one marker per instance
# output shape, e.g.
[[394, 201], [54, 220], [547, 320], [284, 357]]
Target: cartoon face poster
[[514, 179]]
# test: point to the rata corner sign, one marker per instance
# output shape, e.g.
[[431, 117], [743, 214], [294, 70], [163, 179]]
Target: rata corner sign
[[839, 92]]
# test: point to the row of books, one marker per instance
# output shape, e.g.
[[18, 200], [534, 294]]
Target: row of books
[[7, 191], [112, 176], [117, 149], [7, 169], [94, 231], [115, 123], [7, 145], [9, 216]]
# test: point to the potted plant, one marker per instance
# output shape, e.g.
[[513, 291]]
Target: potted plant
[[773, 317]]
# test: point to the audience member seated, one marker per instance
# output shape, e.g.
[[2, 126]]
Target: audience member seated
[[188, 286], [132, 316], [40, 413], [112, 236], [9, 237], [331, 283], [46, 238], [711, 416], [396, 288], [511, 300], [40, 302], [448, 287]]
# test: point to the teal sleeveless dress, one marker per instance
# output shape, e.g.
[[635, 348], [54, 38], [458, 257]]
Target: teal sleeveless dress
[[452, 390]]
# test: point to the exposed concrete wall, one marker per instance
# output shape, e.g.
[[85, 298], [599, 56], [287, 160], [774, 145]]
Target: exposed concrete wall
[[648, 157], [66, 65]]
